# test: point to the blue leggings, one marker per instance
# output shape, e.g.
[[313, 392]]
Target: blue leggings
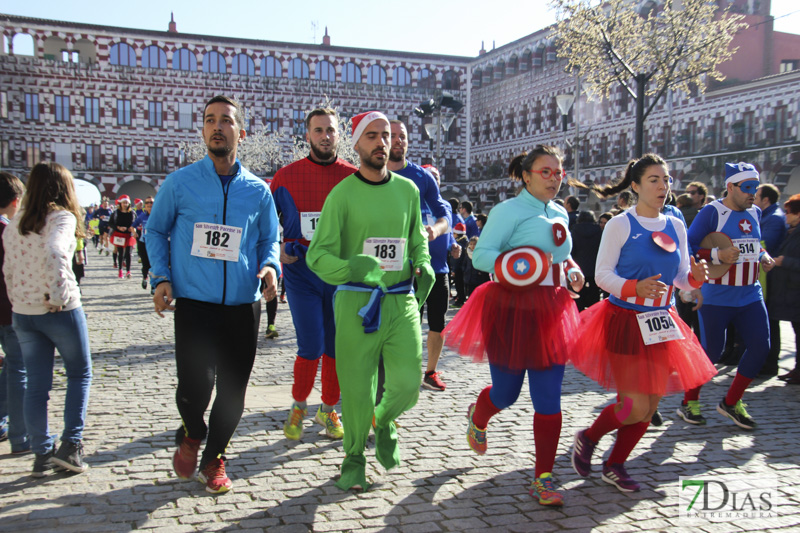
[[751, 323], [545, 388]]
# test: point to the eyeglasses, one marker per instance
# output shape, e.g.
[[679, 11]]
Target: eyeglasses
[[148, 203], [548, 173]]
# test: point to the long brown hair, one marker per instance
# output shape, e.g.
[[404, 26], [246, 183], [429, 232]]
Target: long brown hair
[[49, 188], [633, 174]]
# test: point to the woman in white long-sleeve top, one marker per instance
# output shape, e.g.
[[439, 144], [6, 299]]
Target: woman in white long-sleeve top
[[47, 312]]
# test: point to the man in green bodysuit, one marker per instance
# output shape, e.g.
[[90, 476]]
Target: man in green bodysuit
[[371, 242]]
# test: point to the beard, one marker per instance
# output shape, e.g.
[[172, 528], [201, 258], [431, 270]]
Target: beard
[[222, 151], [374, 163], [395, 158], [322, 155]]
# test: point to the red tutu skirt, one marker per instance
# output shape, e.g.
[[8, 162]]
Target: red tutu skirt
[[122, 239], [611, 352], [515, 330]]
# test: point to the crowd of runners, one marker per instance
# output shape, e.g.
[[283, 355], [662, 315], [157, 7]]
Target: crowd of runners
[[365, 254]]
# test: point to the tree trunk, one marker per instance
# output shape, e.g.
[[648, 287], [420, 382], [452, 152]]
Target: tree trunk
[[641, 85]]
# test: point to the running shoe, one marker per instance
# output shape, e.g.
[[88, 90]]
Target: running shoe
[[543, 489], [283, 298], [433, 381], [214, 477], [582, 451], [271, 331], [330, 421], [108, 252], [144, 283], [3, 429], [790, 375], [70, 456], [120, 274], [293, 428], [737, 413], [657, 420], [690, 412], [617, 475], [128, 275], [476, 437], [184, 462]]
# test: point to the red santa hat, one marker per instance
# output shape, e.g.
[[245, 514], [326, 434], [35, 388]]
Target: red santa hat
[[360, 123], [124, 198], [137, 201], [460, 228]]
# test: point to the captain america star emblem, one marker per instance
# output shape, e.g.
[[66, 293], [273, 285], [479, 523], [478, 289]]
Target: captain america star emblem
[[559, 233], [745, 226], [521, 267]]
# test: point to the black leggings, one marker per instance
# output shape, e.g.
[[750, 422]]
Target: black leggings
[[213, 341], [142, 249], [123, 252]]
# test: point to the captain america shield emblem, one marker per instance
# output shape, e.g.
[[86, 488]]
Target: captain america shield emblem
[[521, 267], [559, 233]]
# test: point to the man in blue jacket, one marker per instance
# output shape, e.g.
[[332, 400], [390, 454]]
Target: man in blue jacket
[[437, 219], [773, 231], [212, 239]]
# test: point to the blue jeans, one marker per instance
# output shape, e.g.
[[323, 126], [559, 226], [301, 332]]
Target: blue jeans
[[12, 385], [39, 337]]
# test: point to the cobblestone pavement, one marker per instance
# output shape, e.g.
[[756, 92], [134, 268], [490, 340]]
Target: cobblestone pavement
[[286, 486]]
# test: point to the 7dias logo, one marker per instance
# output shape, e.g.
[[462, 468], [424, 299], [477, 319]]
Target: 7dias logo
[[728, 497]]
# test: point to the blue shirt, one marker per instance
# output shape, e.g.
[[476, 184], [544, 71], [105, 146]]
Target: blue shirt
[[433, 208]]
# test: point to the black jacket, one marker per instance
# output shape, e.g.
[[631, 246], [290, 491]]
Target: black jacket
[[783, 282], [585, 244]]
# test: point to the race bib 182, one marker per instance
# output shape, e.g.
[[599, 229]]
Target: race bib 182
[[216, 241]]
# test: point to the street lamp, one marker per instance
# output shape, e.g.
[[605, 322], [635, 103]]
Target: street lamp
[[564, 102], [444, 109]]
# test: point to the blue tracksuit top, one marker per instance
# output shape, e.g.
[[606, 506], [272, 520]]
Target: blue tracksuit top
[[196, 194]]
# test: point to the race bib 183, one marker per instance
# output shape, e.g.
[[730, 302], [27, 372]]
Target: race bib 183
[[389, 251]]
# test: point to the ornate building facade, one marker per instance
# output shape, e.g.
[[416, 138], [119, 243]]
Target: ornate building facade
[[113, 104]]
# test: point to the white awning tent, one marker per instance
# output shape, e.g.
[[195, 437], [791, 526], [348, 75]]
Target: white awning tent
[[88, 193]]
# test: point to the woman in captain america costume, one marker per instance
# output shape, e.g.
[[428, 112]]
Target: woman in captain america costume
[[526, 322], [634, 342]]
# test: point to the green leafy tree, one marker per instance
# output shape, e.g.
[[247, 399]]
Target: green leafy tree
[[648, 51]]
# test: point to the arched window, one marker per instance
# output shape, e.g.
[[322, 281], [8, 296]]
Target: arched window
[[183, 59], [154, 57], [122, 54], [426, 79], [376, 75], [214, 63], [325, 71], [450, 81], [243, 65], [476, 78], [401, 77], [298, 69], [271, 67], [351, 73]]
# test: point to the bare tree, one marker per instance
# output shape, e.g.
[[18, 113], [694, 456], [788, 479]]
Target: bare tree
[[265, 151], [674, 44]]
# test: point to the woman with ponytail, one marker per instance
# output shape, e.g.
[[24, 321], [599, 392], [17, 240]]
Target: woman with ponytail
[[634, 342], [525, 321]]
